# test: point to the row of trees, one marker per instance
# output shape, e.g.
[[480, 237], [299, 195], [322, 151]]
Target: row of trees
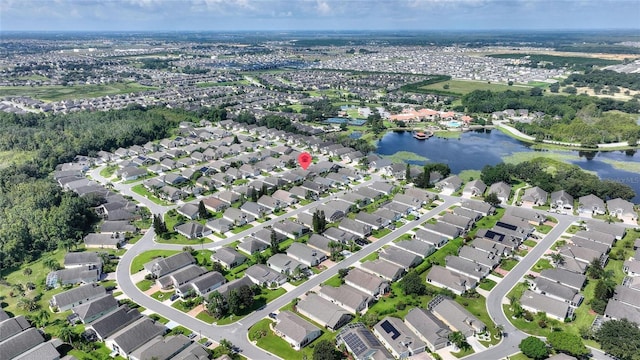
[[593, 78], [237, 301], [566, 177]]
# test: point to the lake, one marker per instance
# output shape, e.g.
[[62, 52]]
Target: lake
[[473, 150]]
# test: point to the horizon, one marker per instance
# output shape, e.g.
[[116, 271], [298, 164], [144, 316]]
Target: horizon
[[317, 15]]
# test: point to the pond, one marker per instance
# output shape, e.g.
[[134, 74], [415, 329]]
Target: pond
[[475, 149]]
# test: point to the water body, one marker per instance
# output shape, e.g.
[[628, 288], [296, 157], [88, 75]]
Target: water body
[[473, 150]]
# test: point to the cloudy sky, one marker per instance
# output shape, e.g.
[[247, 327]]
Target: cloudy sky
[[234, 15]]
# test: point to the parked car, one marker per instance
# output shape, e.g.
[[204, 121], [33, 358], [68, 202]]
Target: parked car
[[174, 297], [272, 315]]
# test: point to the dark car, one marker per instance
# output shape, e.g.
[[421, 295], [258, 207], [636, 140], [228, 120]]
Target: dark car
[[174, 297], [272, 315]]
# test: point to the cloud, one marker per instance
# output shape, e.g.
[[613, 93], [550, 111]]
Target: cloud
[[323, 7]]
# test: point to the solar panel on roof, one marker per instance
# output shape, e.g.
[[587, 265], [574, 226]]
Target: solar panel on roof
[[373, 341], [507, 226], [354, 343], [390, 329]]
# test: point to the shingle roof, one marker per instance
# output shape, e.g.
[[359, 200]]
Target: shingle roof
[[294, 326], [323, 310], [96, 307], [137, 334], [79, 293], [110, 323]]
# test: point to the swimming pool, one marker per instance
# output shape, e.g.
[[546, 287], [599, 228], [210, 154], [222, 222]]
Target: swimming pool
[[454, 123]]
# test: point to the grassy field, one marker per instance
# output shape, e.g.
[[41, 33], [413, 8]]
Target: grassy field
[[468, 175], [140, 190], [59, 92], [463, 87], [403, 156]]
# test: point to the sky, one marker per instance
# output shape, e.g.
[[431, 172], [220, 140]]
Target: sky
[[278, 15]]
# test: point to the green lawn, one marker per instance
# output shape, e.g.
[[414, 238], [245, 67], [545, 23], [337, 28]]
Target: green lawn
[[181, 305], [530, 243], [544, 229], [138, 262], [204, 316], [162, 295], [463, 87], [508, 264], [264, 298], [487, 284], [380, 233], [108, 171], [144, 285], [334, 281], [542, 264], [370, 257], [267, 340], [242, 228], [59, 92], [463, 353], [140, 190]]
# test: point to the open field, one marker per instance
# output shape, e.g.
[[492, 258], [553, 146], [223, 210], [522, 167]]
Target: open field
[[463, 87], [59, 92], [15, 157]]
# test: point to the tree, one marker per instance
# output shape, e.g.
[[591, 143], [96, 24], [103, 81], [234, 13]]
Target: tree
[[41, 318], [27, 271], [27, 304], [557, 258], [492, 199], [535, 91], [234, 302], [370, 318], [66, 334], [275, 248], [458, 339], [246, 296], [51, 264], [324, 350], [319, 222], [534, 348], [620, 338], [226, 345], [595, 270], [407, 173], [202, 211], [216, 305], [411, 284], [567, 343]]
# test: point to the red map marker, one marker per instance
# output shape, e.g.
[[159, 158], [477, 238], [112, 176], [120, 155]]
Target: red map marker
[[304, 160]]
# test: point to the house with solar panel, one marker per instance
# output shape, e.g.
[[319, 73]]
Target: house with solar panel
[[398, 338], [361, 343]]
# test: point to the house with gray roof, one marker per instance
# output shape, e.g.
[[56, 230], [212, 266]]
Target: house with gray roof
[[251, 245], [133, 336], [285, 264], [117, 226], [431, 238], [220, 226], [384, 269], [228, 257], [429, 328], [44, 351], [339, 235], [474, 188], [163, 266], [557, 291], [398, 338], [72, 276], [387, 214], [237, 216], [295, 330], [108, 324], [400, 257], [461, 222], [591, 205], [367, 283], [583, 256], [104, 241], [460, 211], [443, 229], [478, 206], [532, 216], [617, 231], [13, 326], [627, 295], [597, 236], [511, 242], [226, 288], [564, 277], [362, 344], [375, 222], [412, 202], [91, 311], [203, 284], [590, 244], [416, 247], [181, 276], [355, 227], [487, 259], [192, 230], [162, 348], [424, 196], [264, 235], [323, 311], [20, 343], [618, 310], [189, 210], [449, 279], [347, 297], [290, 229], [534, 196], [76, 296], [623, 210], [561, 200], [491, 247], [398, 207], [321, 243], [456, 317], [502, 190], [262, 275], [554, 308], [449, 185], [305, 254], [467, 267]]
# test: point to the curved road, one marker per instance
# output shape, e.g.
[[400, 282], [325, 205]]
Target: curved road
[[237, 332]]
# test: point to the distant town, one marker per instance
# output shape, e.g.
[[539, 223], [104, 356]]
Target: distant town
[[154, 205]]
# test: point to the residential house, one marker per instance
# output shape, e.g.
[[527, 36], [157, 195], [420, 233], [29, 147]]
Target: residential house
[[180, 277], [189, 210], [470, 214], [285, 264], [448, 279], [488, 259], [429, 237], [617, 231], [82, 259], [104, 241], [305, 254], [134, 335], [417, 247], [367, 283], [262, 275], [237, 216], [355, 227], [443, 229], [534, 196], [362, 344], [398, 338], [290, 229], [220, 226], [456, 317], [76, 296], [429, 328], [502, 191], [323, 311], [623, 210], [339, 235], [478, 206], [95, 309], [384, 269], [619, 310], [162, 266], [474, 188], [192, 230], [449, 185], [531, 216], [467, 267], [555, 309], [400, 257], [564, 277], [591, 205], [490, 247], [114, 321], [347, 297], [228, 257], [561, 200], [322, 243], [203, 284], [461, 222], [557, 291], [295, 330]]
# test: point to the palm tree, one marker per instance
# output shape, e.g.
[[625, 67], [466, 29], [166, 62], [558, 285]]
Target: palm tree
[[51, 263], [226, 345], [457, 339], [27, 271], [500, 329], [27, 304], [557, 258], [42, 317], [66, 334]]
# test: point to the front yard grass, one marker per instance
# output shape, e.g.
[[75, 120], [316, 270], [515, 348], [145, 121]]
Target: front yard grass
[[142, 191], [530, 243], [162, 295], [487, 284], [508, 264], [542, 264], [261, 333], [145, 285], [370, 257], [242, 228], [204, 316], [334, 281], [543, 229]]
